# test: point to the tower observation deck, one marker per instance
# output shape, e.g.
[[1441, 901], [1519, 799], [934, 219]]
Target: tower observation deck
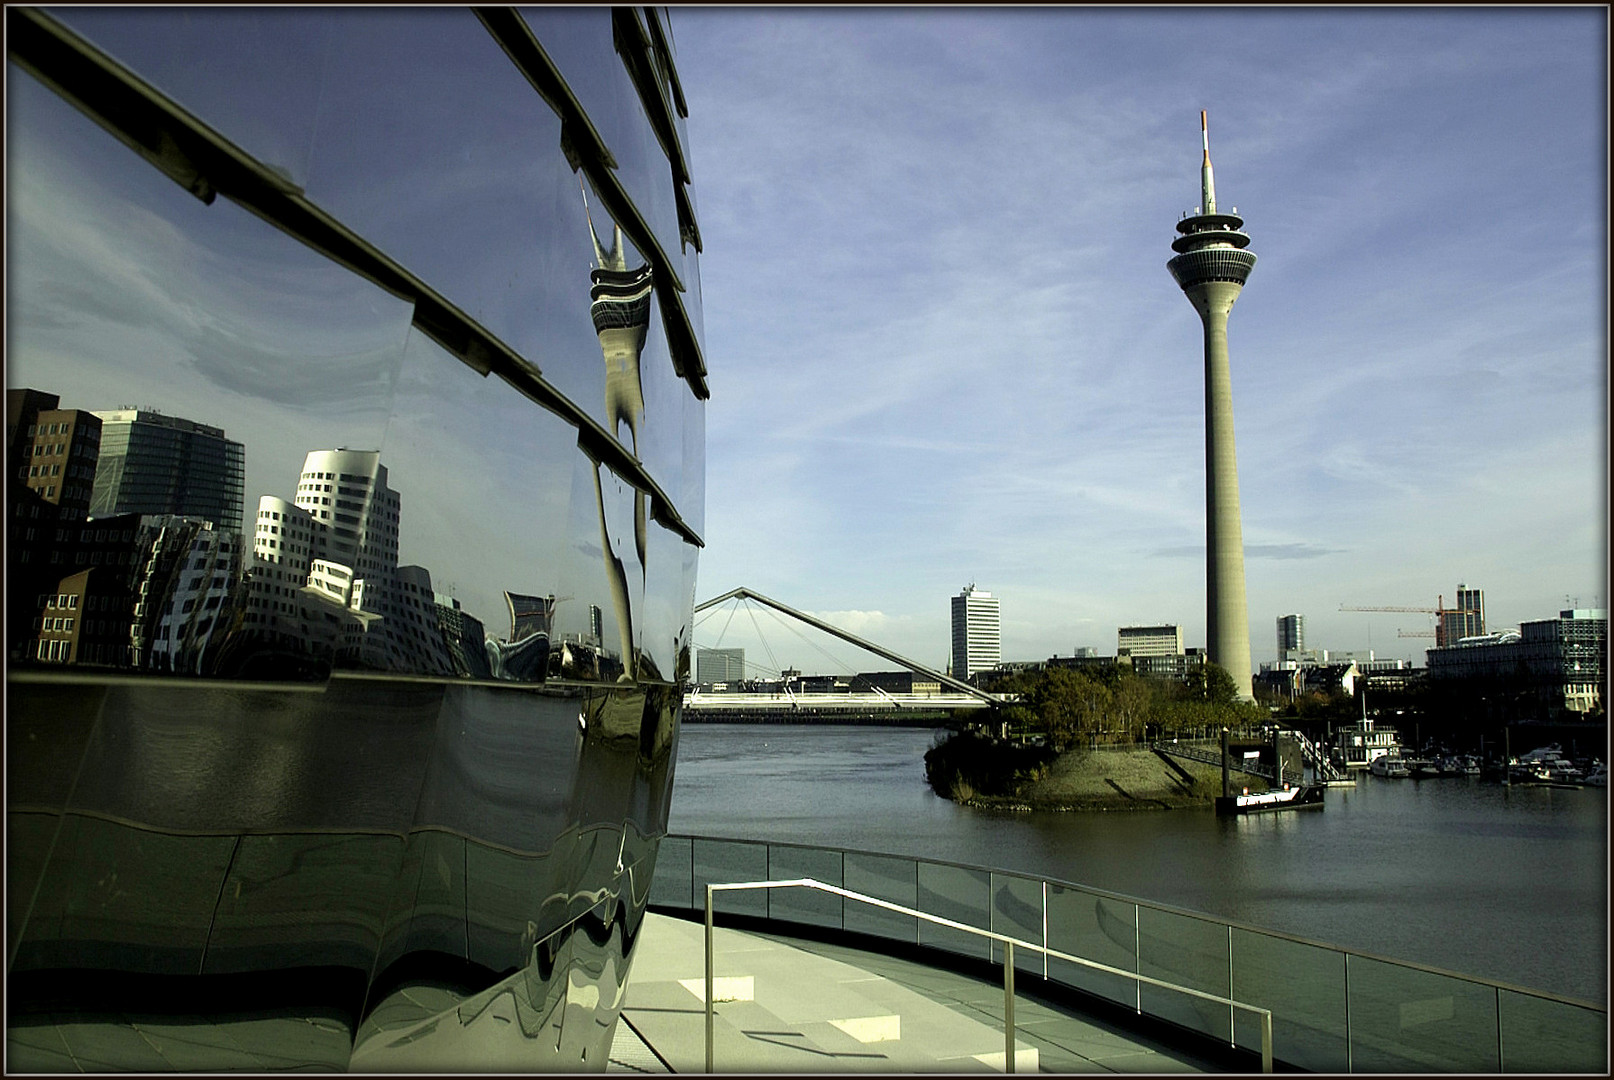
[[1211, 266]]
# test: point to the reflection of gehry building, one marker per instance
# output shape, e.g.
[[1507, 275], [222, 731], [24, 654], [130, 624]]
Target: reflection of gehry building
[[325, 576], [355, 513], [184, 592], [156, 464]]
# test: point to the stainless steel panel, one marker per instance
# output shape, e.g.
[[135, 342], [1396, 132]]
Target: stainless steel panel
[[257, 74], [579, 41]]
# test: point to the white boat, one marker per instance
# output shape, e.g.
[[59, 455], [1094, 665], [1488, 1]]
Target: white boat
[[1389, 766], [1598, 777]]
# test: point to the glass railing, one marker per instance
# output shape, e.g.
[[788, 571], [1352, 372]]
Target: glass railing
[[1333, 1009]]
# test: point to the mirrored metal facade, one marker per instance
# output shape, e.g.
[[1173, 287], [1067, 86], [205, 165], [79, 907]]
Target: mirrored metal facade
[[355, 442]]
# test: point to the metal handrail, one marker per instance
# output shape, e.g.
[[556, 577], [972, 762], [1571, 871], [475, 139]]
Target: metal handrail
[[1008, 964]]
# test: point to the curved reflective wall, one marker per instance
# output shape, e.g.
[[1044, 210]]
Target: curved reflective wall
[[354, 494]]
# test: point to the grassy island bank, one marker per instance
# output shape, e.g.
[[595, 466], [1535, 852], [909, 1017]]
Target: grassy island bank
[[1078, 740], [976, 771]]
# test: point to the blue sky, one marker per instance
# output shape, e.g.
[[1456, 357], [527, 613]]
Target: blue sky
[[944, 346]]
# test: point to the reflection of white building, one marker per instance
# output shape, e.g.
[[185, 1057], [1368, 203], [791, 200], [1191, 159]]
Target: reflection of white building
[[355, 513], [325, 572], [282, 552]]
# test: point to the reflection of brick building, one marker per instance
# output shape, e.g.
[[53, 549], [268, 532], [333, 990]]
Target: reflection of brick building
[[53, 451], [86, 621], [70, 597]]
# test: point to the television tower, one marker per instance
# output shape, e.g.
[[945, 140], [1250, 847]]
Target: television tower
[[1211, 267]]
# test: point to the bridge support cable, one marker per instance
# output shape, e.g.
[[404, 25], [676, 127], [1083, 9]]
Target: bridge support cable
[[836, 662], [862, 643], [779, 671]]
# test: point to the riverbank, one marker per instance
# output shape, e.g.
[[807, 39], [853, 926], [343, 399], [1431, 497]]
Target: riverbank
[[972, 772]]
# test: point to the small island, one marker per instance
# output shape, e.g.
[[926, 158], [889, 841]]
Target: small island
[[1080, 739]]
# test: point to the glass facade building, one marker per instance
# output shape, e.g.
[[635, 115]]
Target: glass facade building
[[435, 271], [155, 464]]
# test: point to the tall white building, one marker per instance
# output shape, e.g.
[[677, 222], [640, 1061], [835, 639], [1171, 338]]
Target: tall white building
[[977, 632]]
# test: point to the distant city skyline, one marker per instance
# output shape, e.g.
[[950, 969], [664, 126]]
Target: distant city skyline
[[972, 364]]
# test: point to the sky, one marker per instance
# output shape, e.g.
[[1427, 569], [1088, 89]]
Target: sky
[[944, 347]]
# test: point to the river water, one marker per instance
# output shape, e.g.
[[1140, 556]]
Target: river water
[[1508, 884]]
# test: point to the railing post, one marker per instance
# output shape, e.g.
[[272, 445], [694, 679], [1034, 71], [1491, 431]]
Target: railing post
[[1501, 1063], [709, 978], [1232, 1020], [1266, 1041], [1008, 1006], [1137, 959], [1347, 957]]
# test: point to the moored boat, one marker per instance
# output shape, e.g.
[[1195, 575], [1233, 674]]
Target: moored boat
[[1288, 797], [1389, 766]]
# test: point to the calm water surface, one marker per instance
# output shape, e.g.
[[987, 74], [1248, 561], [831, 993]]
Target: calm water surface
[[1510, 885]]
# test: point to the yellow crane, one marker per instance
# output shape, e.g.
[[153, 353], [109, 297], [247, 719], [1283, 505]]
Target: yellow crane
[[1439, 611]]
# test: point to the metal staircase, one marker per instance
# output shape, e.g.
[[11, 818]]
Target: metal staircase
[[1212, 757], [1313, 754]]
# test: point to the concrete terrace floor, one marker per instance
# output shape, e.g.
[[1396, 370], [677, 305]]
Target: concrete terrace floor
[[791, 1005]]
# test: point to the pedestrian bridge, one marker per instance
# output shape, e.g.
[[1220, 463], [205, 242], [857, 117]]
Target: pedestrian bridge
[[715, 705], [875, 705]]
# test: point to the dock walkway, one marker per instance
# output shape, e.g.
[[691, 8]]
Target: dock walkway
[[793, 1005]]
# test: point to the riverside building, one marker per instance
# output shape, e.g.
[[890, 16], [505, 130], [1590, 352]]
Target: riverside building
[[719, 666], [977, 642], [1140, 641], [1560, 662]]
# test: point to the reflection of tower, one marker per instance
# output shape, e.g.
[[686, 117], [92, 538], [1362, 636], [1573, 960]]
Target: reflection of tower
[[1211, 267], [596, 625], [620, 309]]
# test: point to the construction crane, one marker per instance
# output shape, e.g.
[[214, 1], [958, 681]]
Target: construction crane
[[1439, 611]]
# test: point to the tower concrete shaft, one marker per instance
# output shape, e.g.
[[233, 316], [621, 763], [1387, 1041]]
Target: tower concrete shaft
[[1211, 267]]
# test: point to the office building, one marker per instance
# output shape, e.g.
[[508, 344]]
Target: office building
[[1211, 267], [977, 632], [1468, 620], [1139, 641], [1291, 636], [156, 464], [719, 666], [1175, 666], [1559, 662]]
